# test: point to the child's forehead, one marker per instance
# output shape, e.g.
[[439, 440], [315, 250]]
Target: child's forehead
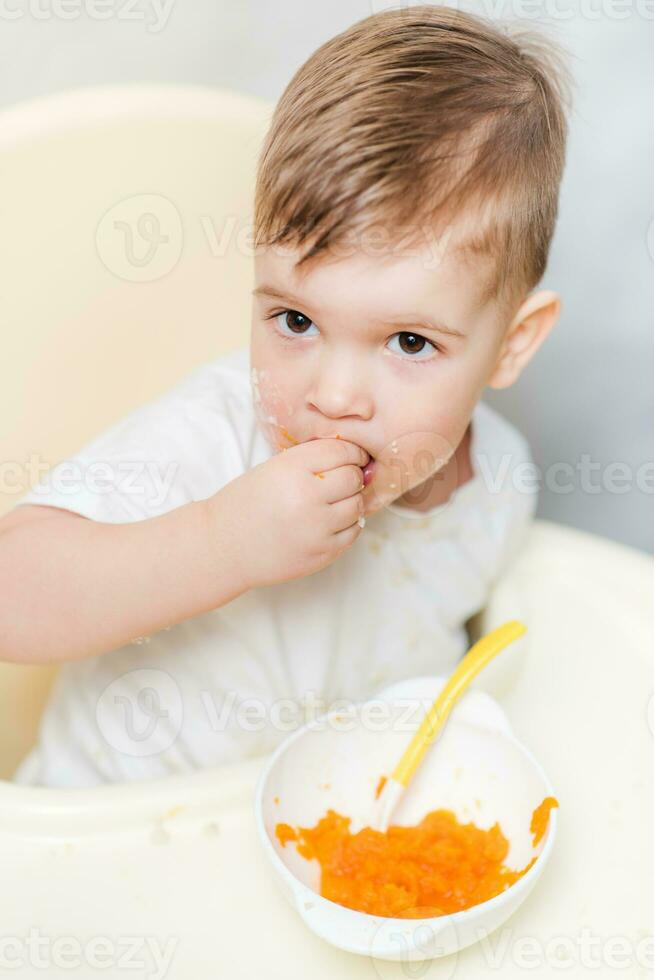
[[398, 275]]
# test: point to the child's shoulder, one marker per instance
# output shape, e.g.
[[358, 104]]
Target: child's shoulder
[[210, 403], [223, 377], [234, 366]]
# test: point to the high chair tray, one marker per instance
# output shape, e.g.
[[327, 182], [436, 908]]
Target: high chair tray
[[170, 874]]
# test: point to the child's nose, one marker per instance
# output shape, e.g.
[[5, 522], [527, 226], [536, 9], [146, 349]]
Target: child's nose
[[338, 396]]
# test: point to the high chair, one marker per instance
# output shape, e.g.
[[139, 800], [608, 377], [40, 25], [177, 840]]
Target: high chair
[[99, 322]]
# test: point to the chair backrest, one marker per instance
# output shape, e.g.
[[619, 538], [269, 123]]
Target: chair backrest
[[126, 262]]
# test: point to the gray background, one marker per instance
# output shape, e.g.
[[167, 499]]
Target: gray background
[[588, 393]]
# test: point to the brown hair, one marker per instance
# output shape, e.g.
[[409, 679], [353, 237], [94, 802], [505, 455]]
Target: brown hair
[[407, 115]]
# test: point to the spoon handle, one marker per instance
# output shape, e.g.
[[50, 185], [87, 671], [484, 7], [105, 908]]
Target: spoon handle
[[475, 660]]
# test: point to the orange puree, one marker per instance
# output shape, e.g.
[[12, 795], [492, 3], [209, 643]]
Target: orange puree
[[435, 868], [541, 817]]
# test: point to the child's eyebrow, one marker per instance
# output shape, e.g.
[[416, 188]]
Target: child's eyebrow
[[411, 321], [415, 321], [271, 291]]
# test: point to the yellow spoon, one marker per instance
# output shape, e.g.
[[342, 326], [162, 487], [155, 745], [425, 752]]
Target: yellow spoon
[[432, 724]]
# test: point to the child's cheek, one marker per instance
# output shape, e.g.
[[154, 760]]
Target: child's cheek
[[273, 409], [410, 464]]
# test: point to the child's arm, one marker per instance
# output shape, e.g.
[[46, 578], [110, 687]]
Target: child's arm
[[71, 587]]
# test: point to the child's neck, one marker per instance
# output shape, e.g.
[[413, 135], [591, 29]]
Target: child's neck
[[457, 471]]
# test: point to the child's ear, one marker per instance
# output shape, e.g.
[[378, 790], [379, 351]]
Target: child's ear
[[527, 331]]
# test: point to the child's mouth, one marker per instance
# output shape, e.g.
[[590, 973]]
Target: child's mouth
[[369, 471]]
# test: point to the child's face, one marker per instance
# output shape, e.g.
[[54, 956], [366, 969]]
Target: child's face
[[360, 346]]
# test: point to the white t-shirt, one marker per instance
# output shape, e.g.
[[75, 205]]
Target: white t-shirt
[[232, 683]]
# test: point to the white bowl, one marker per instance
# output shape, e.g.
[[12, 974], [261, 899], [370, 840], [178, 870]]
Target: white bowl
[[477, 769]]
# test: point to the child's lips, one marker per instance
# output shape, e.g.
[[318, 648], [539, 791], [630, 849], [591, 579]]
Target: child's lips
[[369, 471]]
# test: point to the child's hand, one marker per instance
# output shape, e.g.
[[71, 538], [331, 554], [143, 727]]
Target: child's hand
[[292, 522]]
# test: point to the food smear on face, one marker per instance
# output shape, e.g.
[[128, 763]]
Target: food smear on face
[[435, 868], [288, 436]]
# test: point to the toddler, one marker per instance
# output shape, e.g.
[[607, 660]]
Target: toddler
[[310, 518]]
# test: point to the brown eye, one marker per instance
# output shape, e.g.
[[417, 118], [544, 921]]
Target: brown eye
[[415, 345], [296, 321], [411, 343]]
